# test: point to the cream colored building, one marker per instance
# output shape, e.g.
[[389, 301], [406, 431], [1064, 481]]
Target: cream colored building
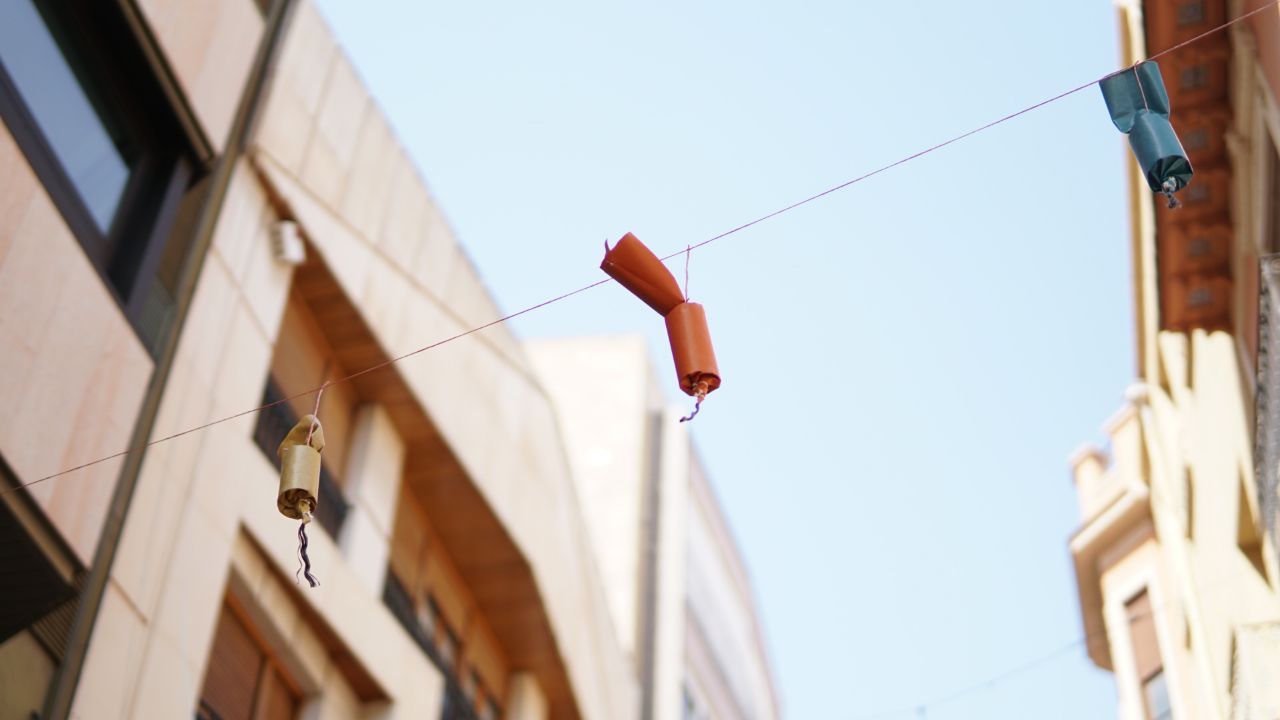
[[202, 211], [1176, 553], [673, 571]]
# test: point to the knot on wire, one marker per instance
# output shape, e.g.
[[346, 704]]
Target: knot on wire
[[304, 562], [1167, 189]]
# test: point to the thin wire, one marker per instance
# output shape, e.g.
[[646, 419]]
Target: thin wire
[[688, 249], [977, 130], [982, 684], [305, 393], [1026, 666]]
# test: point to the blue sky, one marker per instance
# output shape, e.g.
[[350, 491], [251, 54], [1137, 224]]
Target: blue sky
[[907, 363]]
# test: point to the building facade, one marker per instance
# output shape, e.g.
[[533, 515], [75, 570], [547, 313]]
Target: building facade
[[1176, 553], [674, 575], [202, 212]]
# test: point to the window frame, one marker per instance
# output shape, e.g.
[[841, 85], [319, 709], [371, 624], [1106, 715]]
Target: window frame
[[269, 675], [1140, 614], [110, 65]]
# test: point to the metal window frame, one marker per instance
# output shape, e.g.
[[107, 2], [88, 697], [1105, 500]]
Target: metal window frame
[[127, 254]]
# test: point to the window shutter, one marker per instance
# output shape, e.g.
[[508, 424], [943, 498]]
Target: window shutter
[[275, 700], [234, 665]]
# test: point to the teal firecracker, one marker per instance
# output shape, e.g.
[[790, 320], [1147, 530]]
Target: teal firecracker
[[1139, 107]]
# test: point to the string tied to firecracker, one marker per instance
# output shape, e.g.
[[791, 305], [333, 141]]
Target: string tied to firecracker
[[315, 413], [1137, 79]]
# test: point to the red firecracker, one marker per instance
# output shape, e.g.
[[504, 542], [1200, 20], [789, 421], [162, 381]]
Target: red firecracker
[[636, 268]]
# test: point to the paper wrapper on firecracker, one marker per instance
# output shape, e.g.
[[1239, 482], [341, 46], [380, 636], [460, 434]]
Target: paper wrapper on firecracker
[[300, 468], [637, 269], [1139, 107], [691, 349]]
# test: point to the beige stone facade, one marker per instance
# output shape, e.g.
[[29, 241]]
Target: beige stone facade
[[1177, 571], [463, 570], [674, 577]]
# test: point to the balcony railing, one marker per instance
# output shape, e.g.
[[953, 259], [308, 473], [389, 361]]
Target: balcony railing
[[457, 705]]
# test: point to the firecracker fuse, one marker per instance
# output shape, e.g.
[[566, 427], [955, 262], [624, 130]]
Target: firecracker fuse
[[300, 481]]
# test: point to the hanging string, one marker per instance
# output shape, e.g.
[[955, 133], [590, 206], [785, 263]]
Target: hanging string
[[688, 249], [315, 414]]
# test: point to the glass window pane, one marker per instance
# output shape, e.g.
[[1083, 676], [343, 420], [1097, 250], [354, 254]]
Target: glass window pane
[[66, 116], [1158, 707]]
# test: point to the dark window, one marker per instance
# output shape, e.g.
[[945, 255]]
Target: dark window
[[77, 94], [427, 627], [1198, 193], [1191, 13], [1194, 77], [273, 424], [1197, 139], [331, 510], [457, 706], [96, 157], [398, 601], [40, 586], [446, 640], [459, 689], [486, 707]]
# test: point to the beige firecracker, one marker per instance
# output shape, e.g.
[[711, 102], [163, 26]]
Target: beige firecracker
[[300, 469]]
